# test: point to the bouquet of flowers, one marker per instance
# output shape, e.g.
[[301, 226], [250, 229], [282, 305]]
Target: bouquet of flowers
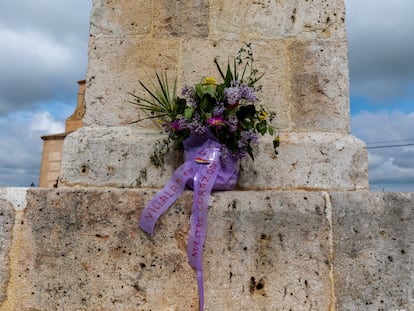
[[216, 125], [228, 109]]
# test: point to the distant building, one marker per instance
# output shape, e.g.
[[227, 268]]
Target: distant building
[[53, 144]]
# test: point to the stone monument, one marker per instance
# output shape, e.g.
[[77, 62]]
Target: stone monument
[[301, 232], [301, 48]]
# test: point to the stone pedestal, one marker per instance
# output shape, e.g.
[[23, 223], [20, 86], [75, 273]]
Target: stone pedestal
[[300, 46]]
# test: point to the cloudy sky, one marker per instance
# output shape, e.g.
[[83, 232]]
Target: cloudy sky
[[44, 52], [381, 61]]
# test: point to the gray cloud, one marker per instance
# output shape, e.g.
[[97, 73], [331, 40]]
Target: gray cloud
[[44, 51], [21, 146], [381, 48], [61, 19], [391, 167], [405, 160]]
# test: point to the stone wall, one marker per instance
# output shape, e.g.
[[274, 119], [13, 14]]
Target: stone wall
[[51, 160], [68, 249], [51, 163], [300, 45]]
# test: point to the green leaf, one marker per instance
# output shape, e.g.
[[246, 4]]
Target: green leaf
[[250, 151], [261, 127], [209, 89], [188, 112], [205, 103], [208, 115], [270, 130], [229, 76], [276, 143], [199, 90], [235, 74], [181, 105], [219, 69], [220, 92]]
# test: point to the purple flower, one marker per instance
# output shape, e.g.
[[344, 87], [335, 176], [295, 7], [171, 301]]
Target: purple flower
[[235, 83], [217, 122], [196, 126], [218, 111], [237, 92], [177, 125], [232, 124], [187, 91], [249, 136], [246, 138], [232, 95], [224, 155], [247, 93]]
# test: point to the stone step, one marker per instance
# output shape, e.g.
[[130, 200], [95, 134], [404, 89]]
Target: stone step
[[115, 156], [81, 249]]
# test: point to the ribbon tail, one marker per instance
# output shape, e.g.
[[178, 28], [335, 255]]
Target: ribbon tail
[[200, 289], [166, 197], [203, 184]]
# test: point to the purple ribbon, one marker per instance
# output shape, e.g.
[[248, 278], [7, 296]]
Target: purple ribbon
[[166, 197], [204, 181], [203, 172]]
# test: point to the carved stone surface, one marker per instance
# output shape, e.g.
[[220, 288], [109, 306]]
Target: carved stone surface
[[232, 20], [81, 249], [374, 250], [319, 86], [181, 18], [6, 228], [119, 157], [114, 157], [301, 47], [112, 18], [310, 161]]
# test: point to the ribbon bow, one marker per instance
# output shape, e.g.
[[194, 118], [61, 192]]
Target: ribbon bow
[[200, 172]]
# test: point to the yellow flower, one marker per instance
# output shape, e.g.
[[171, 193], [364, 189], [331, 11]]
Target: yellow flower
[[209, 81], [263, 115]]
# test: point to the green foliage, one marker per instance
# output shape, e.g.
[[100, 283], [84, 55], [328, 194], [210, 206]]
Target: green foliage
[[227, 109]]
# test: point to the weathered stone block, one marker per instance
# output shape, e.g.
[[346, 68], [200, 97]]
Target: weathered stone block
[[82, 250], [310, 160], [115, 67], [301, 47], [175, 18], [257, 20], [6, 228], [305, 82], [268, 251], [115, 156], [121, 17], [319, 86], [373, 237], [98, 157]]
